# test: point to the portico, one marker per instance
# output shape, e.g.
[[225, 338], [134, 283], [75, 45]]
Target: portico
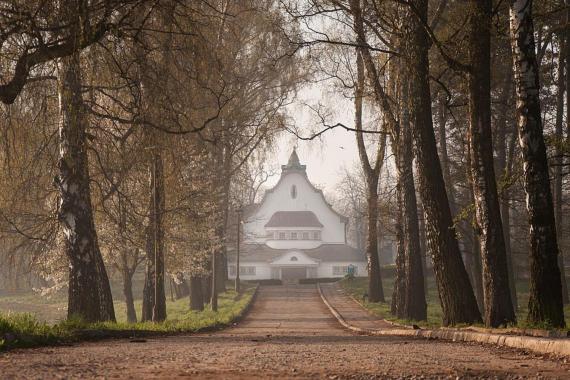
[[294, 265]]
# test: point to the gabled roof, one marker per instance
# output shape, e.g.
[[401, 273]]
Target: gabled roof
[[295, 258], [294, 219], [325, 252], [294, 166]]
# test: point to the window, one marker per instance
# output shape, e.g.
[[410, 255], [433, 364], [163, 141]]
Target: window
[[293, 191], [293, 236], [338, 271], [342, 270], [282, 236], [232, 270], [294, 258], [305, 236], [247, 271], [317, 235]]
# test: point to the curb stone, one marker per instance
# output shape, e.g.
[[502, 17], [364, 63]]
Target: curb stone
[[559, 347]]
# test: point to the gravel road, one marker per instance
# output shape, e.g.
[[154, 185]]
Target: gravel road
[[289, 333]]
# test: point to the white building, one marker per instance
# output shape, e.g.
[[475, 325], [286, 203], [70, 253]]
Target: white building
[[293, 233]]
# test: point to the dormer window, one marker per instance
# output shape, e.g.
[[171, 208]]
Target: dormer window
[[293, 191]]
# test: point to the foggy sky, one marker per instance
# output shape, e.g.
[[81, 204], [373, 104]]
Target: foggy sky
[[327, 155]]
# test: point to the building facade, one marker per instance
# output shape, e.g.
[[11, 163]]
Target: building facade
[[293, 233]]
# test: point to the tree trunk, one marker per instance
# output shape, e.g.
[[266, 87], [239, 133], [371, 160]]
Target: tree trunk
[[503, 173], [567, 64], [545, 301], [154, 297], [129, 299], [375, 289], [411, 298], [423, 247], [398, 294], [415, 299], [181, 288], [498, 305], [89, 290], [471, 257], [473, 252], [221, 269], [214, 282], [196, 294], [372, 174], [227, 183], [445, 165], [456, 294], [206, 288], [559, 162], [506, 217], [219, 189]]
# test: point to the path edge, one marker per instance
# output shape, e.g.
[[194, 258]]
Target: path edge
[[559, 347]]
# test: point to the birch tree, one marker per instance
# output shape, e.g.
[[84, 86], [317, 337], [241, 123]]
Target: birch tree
[[372, 176], [545, 302], [89, 294]]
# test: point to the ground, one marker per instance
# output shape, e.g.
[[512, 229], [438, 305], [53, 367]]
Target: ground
[[289, 333]]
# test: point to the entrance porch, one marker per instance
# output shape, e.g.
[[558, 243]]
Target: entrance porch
[[294, 266]]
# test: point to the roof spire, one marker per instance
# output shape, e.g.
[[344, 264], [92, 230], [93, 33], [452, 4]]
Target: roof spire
[[293, 163], [294, 158]]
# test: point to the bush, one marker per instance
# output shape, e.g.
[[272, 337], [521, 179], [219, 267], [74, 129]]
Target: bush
[[266, 282], [316, 280]]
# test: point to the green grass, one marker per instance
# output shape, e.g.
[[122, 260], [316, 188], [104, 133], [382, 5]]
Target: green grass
[[25, 330], [358, 286]]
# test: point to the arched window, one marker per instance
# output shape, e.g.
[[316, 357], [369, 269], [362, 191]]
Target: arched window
[[293, 191], [294, 258]]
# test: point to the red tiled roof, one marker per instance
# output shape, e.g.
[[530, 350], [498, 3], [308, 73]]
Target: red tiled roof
[[294, 219]]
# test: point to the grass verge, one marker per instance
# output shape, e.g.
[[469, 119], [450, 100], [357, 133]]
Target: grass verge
[[21, 330], [358, 286]]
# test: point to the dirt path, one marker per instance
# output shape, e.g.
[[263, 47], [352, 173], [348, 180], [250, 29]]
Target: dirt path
[[289, 333]]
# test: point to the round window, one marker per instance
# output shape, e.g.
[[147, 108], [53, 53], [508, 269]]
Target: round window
[[294, 258], [293, 191]]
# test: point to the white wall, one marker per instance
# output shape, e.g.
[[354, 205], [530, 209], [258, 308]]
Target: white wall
[[262, 271], [292, 244], [279, 199], [287, 244], [326, 269]]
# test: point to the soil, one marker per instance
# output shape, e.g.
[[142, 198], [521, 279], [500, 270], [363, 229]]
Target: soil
[[289, 333]]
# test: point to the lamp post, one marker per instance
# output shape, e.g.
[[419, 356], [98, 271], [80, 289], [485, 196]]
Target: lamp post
[[155, 245], [237, 287]]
